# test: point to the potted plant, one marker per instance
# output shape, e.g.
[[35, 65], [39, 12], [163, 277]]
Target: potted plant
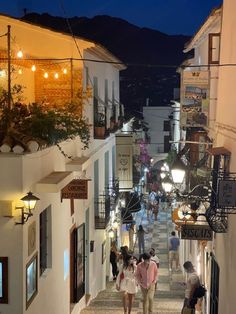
[[99, 125], [112, 122]]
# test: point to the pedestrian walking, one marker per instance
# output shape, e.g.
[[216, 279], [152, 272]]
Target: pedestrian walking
[[174, 251], [131, 237], [126, 282], [113, 260], [146, 275], [121, 257], [191, 284], [140, 235], [154, 257], [155, 210]]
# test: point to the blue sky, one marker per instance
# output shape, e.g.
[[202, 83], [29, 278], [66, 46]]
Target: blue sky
[[168, 16]]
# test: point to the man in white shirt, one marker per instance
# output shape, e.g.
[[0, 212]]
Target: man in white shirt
[[154, 258], [191, 284]]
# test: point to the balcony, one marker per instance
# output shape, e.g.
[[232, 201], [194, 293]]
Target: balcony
[[102, 212]]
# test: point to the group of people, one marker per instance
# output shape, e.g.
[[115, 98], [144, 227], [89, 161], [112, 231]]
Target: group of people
[[131, 274]]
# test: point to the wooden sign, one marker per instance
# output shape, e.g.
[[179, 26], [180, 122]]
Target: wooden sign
[[196, 232], [76, 189]]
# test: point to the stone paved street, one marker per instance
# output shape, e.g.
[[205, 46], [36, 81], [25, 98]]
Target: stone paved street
[[169, 295]]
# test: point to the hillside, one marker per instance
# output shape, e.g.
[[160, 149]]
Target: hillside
[[146, 51]]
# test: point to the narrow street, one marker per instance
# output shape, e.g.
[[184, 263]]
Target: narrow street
[[169, 295]]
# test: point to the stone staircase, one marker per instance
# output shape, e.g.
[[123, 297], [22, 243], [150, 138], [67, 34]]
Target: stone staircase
[[169, 295]]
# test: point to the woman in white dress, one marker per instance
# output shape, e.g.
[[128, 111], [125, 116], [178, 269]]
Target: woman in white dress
[[127, 283]]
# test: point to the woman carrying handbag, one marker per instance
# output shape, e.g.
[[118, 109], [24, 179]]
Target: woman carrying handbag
[[126, 282]]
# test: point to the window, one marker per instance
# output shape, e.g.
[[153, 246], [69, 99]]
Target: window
[[166, 126], [45, 240], [3, 280], [106, 93], [95, 93], [96, 185], [167, 144], [214, 48]]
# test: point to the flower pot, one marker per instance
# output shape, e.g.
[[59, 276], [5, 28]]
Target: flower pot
[[99, 131]]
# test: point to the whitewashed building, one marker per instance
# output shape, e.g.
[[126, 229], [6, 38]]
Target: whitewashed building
[[159, 130], [214, 52], [58, 260]]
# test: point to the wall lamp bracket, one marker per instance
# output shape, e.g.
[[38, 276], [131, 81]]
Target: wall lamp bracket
[[26, 210]]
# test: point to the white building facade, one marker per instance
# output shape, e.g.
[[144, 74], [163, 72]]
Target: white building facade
[[213, 45], [58, 260]]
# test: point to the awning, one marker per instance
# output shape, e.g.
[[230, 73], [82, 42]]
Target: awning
[[54, 182]]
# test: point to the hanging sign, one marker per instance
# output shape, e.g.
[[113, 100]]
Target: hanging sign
[[227, 193], [196, 232], [124, 162], [195, 98], [76, 189]]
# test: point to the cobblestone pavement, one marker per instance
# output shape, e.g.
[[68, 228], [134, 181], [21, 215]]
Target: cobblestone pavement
[[169, 295]]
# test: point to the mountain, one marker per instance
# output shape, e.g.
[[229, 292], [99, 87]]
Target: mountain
[[146, 51]]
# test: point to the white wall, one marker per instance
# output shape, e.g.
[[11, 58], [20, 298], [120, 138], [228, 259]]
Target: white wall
[[20, 173], [226, 112], [155, 117]]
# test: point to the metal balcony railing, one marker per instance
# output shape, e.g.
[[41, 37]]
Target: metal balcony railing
[[102, 209]]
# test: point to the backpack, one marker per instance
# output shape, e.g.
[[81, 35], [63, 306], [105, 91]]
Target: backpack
[[199, 292]]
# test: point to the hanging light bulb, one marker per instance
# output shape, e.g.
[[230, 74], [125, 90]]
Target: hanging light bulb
[[33, 68], [19, 54], [65, 71], [45, 75], [3, 73], [115, 224], [20, 71], [162, 175], [56, 75], [111, 233]]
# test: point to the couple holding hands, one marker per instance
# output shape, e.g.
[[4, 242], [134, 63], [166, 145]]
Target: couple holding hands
[[131, 276]]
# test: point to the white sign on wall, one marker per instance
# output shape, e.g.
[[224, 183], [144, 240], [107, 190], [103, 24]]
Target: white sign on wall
[[194, 98], [124, 161]]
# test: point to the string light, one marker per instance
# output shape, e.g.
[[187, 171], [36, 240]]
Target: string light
[[45, 75], [19, 54], [20, 71], [56, 75], [3, 73], [64, 71], [33, 68]]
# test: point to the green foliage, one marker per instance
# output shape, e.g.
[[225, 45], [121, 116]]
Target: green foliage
[[51, 125], [100, 120]]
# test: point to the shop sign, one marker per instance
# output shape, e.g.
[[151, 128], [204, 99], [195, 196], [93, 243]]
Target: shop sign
[[196, 232], [76, 189]]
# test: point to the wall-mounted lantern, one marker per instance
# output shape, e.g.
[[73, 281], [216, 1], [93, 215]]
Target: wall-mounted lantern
[[26, 210]]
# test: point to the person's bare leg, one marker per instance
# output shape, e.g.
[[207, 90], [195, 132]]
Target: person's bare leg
[[130, 302], [125, 302]]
